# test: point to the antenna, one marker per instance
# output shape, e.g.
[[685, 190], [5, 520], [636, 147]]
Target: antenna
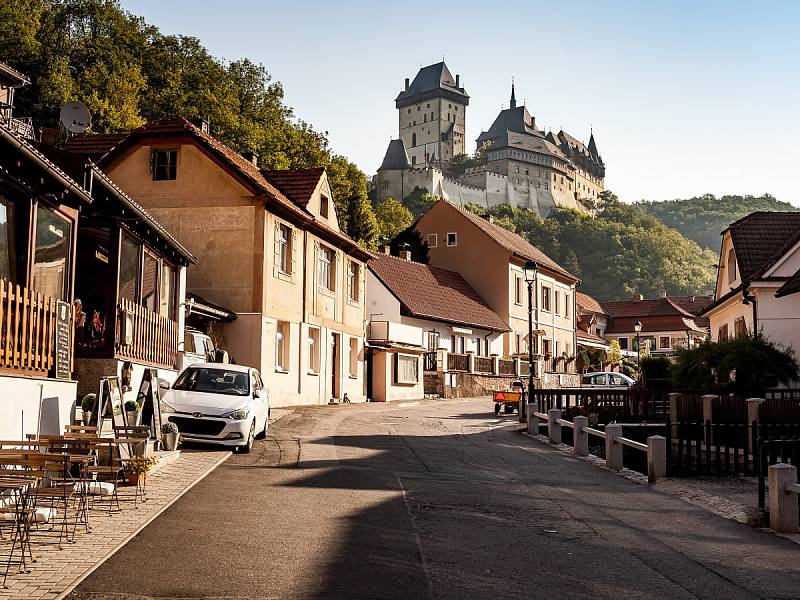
[[75, 117]]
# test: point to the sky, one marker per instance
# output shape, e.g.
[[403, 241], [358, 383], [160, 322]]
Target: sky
[[684, 98]]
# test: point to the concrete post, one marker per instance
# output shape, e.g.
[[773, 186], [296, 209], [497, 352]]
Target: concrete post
[[495, 364], [656, 457], [553, 426], [613, 449], [782, 504], [533, 420], [673, 406], [580, 438], [441, 360], [517, 367], [754, 410], [708, 399], [471, 361]]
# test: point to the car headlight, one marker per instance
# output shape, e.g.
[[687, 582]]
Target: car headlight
[[239, 414]]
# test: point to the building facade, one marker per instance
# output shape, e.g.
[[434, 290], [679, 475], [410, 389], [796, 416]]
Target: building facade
[[270, 249]]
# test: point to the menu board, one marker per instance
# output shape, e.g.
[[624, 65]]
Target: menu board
[[62, 337], [149, 398]]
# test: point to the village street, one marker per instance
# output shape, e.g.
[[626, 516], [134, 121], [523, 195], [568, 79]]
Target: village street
[[434, 499]]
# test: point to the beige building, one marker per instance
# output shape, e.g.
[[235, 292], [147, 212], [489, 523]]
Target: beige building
[[269, 248], [491, 260], [758, 278]]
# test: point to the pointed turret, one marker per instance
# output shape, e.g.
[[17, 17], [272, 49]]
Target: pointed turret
[[513, 103], [592, 147]]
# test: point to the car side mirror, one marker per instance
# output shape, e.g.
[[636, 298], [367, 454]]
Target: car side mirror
[[164, 385]]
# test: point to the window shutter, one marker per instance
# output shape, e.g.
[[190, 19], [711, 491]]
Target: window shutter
[[349, 284], [294, 250], [276, 267]]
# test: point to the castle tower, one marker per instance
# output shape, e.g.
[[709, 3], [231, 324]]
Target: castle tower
[[432, 112]]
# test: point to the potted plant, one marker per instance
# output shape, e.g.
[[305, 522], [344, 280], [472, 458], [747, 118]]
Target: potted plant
[[137, 468], [169, 436], [132, 412], [87, 404]]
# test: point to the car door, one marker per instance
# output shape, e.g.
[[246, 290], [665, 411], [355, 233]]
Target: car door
[[261, 401], [617, 380]]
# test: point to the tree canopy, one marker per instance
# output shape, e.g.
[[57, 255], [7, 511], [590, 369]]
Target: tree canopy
[[703, 218], [127, 72], [393, 218]]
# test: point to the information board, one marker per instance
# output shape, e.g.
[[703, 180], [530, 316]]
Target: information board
[[62, 338]]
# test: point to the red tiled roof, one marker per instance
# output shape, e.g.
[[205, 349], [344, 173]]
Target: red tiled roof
[[587, 303], [297, 184], [693, 304], [434, 293], [653, 323], [644, 308], [513, 242], [585, 321], [94, 145], [12, 74], [761, 238], [585, 335]]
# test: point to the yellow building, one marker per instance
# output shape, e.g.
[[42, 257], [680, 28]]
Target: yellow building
[[269, 248]]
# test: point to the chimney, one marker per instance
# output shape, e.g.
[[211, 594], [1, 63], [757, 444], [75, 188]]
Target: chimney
[[457, 78], [202, 124], [406, 83], [252, 157], [387, 249], [663, 294], [405, 255], [637, 297], [488, 218]]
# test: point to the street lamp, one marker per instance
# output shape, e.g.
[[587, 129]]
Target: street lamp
[[531, 269], [638, 329]]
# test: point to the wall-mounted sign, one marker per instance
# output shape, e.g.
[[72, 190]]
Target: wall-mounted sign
[[62, 337]]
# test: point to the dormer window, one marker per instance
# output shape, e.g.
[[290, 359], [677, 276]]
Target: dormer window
[[323, 206], [731, 266], [163, 164]]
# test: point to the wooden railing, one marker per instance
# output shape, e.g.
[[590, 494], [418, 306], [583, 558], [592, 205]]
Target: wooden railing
[[153, 339], [483, 364], [27, 325], [458, 362], [430, 361], [505, 367]]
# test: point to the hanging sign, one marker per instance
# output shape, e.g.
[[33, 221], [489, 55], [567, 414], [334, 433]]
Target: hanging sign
[[62, 338]]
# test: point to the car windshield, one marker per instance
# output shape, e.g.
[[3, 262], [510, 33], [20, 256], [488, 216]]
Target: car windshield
[[213, 381]]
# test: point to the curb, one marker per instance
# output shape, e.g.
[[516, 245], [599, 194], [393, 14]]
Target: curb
[[69, 589]]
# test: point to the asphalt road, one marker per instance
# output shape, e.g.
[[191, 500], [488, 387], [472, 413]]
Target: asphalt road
[[440, 499]]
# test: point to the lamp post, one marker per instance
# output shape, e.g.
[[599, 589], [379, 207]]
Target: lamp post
[[638, 329], [531, 269]]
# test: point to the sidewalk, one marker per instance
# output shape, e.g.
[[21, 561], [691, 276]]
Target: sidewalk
[[56, 572]]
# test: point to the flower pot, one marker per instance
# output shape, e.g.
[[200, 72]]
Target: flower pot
[[169, 441], [133, 478], [133, 417], [86, 417]]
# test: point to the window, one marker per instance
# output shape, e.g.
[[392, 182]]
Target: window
[[452, 239], [546, 186], [168, 287], [663, 342], [284, 249], [149, 281], [546, 346], [353, 357], [731, 266], [517, 289], [413, 160], [52, 253], [354, 281], [516, 169], [13, 250], [623, 343], [546, 298], [723, 333], [478, 346], [433, 240], [433, 340], [557, 302], [518, 343], [739, 327], [406, 370], [425, 118], [313, 350], [326, 269], [282, 346], [163, 164], [323, 206], [413, 139], [567, 305], [129, 269], [213, 380]]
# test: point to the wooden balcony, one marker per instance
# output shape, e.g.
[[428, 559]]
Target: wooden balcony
[[27, 326], [146, 336]]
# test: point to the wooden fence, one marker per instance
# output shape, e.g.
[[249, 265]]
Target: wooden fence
[[484, 364], [153, 338], [27, 326], [458, 362], [430, 361], [505, 367], [608, 404]]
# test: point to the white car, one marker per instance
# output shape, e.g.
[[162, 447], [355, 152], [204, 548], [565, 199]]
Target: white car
[[606, 380], [219, 404]]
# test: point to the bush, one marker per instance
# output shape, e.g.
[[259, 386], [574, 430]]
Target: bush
[[132, 406], [168, 428], [87, 403], [656, 372], [747, 364]]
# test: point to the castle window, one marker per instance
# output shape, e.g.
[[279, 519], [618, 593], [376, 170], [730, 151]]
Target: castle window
[[425, 118], [418, 109], [409, 111], [413, 139], [428, 105], [386, 185], [431, 115], [516, 169], [413, 160]]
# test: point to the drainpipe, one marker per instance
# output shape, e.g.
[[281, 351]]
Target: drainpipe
[[303, 318]]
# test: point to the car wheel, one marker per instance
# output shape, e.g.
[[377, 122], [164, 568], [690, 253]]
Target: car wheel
[[263, 433], [249, 445]]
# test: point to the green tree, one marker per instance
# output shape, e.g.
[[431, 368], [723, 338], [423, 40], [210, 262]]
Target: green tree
[[614, 354], [392, 218], [419, 201]]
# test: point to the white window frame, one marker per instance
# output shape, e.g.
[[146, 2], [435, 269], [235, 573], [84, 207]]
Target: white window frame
[[326, 266], [354, 282], [455, 239], [282, 354], [433, 240], [353, 367], [406, 358], [285, 249], [314, 342]]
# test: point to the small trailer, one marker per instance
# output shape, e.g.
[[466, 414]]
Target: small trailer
[[510, 400]]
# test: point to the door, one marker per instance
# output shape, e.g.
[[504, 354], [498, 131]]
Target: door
[[334, 362]]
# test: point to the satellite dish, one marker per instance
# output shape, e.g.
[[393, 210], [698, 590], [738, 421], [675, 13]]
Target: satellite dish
[[75, 117]]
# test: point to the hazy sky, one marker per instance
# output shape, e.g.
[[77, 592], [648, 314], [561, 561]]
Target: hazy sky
[[685, 98]]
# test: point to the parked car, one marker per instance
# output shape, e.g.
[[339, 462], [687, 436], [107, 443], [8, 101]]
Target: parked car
[[199, 348], [219, 404], [606, 380]]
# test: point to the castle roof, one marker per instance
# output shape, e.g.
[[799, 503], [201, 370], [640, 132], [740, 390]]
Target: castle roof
[[396, 157], [516, 119], [430, 82], [573, 147]]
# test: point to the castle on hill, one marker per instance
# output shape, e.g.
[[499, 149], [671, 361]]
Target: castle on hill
[[520, 165]]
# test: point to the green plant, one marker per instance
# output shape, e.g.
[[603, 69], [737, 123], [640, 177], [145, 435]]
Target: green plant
[[132, 406], [87, 403], [140, 465], [169, 427]]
